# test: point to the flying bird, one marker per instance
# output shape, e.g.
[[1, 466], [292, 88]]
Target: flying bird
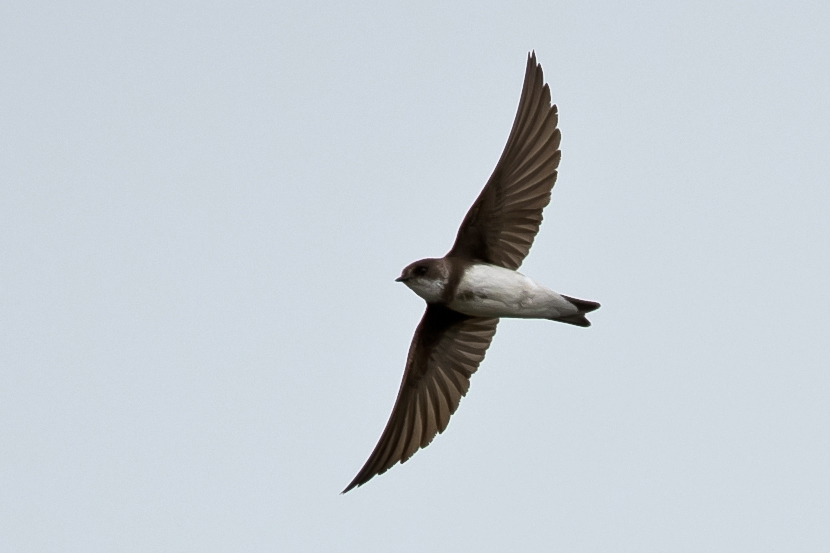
[[477, 282]]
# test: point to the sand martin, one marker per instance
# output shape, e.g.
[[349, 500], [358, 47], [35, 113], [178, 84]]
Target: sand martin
[[477, 282]]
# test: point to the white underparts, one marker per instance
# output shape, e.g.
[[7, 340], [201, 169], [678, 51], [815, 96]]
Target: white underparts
[[491, 291]]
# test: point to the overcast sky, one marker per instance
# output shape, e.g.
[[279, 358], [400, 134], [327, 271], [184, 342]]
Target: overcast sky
[[204, 206]]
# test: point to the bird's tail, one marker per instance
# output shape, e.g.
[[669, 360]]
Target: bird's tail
[[578, 319]]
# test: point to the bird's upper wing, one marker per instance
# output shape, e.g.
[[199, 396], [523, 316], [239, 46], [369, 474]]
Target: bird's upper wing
[[446, 349], [501, 224]]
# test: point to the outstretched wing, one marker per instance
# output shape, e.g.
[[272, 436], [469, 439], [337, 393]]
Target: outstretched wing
[[445, 351], [503, 221]]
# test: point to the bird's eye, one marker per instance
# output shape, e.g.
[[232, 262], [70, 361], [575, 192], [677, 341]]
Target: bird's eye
[[420, 270]]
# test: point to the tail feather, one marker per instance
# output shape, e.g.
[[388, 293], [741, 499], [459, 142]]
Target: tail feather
[[578, 319], [584, 306]]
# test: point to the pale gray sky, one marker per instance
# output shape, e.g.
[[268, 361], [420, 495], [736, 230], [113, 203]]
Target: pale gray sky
[[204, 206]]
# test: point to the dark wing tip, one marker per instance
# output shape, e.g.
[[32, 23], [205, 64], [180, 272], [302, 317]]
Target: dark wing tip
[[354, 484]]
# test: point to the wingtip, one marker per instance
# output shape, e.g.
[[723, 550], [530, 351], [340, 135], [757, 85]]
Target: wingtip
[[531, 58], [354, 484], [534, 72], [358, 481]]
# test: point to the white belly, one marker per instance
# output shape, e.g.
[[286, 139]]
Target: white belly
[[491, 291]]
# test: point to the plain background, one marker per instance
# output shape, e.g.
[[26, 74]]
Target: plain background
[[204, 206]]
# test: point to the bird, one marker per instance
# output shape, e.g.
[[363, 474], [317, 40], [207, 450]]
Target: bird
[[477, 282]]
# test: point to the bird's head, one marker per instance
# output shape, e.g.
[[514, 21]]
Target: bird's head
[[427, 278]]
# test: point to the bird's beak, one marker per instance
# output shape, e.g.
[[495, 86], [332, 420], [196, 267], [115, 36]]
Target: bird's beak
[[400, 279]]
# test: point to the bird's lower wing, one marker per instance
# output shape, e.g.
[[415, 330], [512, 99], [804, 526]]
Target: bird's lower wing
[[446, 350]]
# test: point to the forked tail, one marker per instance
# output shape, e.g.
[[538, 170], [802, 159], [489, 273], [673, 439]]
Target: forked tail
[[578, 319]]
